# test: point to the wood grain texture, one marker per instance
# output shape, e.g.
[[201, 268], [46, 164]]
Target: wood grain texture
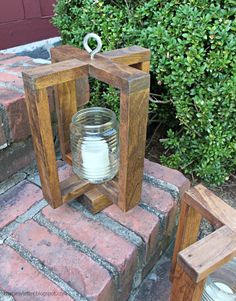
[[95, 201], [208, 254], [144, 66], [128, 56], [184, 288], [187, 232], [110, 189], [66, 107], [53, 74], [42, 136], [211, 207], [133, 125], [119, 76], [82, 91], [73, 187], [82, 88]]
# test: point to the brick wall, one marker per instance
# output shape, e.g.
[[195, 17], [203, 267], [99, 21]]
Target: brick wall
[[25, 21]]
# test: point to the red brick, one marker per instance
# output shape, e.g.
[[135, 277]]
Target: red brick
[[107, 244], [168, 175], [11, 79], [18, 276], [16, 157], [76, 268], [15, 61], [18, 200], [157, 198], [9, 96], [140, 221], [164, 203], [18, 120], [5, 56], [64, 170]]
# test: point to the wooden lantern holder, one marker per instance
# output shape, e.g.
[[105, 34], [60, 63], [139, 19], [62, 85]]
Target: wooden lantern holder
[[126, 69], [193, 261]]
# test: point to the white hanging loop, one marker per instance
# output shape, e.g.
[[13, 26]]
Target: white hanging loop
[[86, 46]]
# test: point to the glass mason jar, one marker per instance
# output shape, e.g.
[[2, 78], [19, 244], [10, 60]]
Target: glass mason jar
[[221, 285], [94, 141]]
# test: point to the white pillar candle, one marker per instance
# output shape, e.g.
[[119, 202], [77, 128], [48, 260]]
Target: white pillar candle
[[95, 157]]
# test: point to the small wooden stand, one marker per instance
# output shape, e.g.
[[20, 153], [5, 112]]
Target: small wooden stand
[[70, 80], [194, 261]]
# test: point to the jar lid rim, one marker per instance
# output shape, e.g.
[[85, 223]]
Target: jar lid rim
[[81, 112]]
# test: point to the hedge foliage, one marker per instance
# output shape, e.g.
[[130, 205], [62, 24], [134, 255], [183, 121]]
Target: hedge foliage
[[193, 65]]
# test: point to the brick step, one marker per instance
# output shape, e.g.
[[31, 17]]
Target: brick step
[[75, 255], [16, 151]]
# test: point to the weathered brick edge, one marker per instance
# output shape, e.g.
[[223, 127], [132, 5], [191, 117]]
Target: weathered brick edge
[[168, 180], [16, 151]]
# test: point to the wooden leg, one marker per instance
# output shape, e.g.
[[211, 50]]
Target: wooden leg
[[133, 125], [187, 233], [184, 289], [66, 107], [42, 136]]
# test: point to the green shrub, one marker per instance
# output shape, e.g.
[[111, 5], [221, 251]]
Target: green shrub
[[193, 65]]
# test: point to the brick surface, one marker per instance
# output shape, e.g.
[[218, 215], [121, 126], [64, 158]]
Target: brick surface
[[164, 203], [9, 96], [24, 282], [5, 56], [18, 200], [76, 268], [16, 157], [15, 61], [103, 241], [11, 79], [18, 120], [168, 175], [159, 199], [141, 222], [3, 139]]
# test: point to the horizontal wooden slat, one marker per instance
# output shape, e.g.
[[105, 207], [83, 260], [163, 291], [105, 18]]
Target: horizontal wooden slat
[[211, 207], [53, 74], [95, 201], [207, 255], [128, 56], [73, 187], [120, 76]]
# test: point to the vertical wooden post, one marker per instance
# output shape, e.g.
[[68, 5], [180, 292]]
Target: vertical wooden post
[[184, 288], [42, 136], [133, 126], [66, 107], [187, 233]]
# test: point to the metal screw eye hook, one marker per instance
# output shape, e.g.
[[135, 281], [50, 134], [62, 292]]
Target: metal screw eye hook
[[86, 46]]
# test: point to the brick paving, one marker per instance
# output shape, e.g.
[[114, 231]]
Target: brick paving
[[70, 254]]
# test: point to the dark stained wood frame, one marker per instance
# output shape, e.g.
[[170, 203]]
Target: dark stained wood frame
[[126, 69], [193, 261]]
